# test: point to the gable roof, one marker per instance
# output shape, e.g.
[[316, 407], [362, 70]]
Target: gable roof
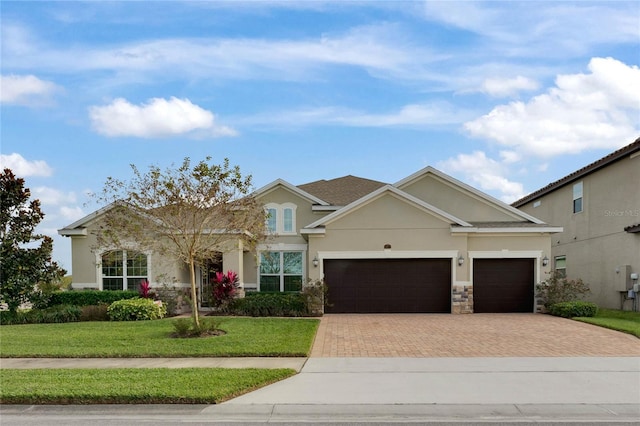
[[296, 190], [342, 191], [79, 227], [374, 195], [456, 183], [578, 174]]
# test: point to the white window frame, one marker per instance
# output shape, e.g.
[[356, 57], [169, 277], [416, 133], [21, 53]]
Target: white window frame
[[281, 247], [563, 269], [279, 210], [124, 275]]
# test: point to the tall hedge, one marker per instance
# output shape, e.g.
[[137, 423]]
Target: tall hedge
[[89, 297]]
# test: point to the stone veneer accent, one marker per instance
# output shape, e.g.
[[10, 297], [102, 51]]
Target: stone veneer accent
[[462, 300]]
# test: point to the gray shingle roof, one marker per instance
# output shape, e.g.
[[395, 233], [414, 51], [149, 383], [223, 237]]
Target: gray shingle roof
[[341, 191]]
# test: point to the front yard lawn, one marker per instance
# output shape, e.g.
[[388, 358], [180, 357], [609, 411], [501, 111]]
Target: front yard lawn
[[244, 337], [132, 386], [625, 321]]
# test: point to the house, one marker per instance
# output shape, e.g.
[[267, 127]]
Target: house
[[599, 208], [428, 243]]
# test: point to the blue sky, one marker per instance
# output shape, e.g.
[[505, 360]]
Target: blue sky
[[505, 96]]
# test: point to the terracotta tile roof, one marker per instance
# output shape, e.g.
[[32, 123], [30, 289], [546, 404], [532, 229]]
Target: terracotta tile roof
[[603, 162], [341, 191]]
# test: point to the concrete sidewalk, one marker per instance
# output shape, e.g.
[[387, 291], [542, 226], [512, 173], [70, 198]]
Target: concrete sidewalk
[[445, 389], [383, 390]]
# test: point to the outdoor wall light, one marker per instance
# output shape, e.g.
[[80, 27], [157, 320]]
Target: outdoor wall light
[[315, 262], [460, 260], [545, 261]]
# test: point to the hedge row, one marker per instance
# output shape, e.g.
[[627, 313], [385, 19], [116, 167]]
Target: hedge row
[[89, 297], [270, 305], [577, 308], [54, 314]]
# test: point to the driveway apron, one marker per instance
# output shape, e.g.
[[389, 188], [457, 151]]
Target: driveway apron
[[474, 335]]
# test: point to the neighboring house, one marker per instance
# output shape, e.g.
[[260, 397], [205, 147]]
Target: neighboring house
[[599, 208], [428, 243]]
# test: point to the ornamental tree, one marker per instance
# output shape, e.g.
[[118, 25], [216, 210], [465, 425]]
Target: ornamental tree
[[25, 257], [187, 213]]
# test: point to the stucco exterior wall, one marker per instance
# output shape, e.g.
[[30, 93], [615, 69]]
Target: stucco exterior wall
[[594, 241], [456, 201]]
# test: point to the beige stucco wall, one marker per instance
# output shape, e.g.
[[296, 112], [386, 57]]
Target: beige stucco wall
[[594, 241], [456, 201], [87, 269]]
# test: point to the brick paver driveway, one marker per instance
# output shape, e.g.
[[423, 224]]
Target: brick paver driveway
[[475, 335]]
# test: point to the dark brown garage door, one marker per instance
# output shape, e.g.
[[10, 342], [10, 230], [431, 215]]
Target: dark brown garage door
[[503, 285], [388, 285]]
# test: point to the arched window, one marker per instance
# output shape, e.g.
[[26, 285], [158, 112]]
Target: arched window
[[281, 218], [123, 269]]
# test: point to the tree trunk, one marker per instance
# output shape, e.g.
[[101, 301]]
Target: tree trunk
[[194, 295]]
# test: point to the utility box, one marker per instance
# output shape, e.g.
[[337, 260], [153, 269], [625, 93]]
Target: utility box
[[622, 279]]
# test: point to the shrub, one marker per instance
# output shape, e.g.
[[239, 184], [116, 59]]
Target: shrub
[[94, 312], [208, 326], [11, 318], [54, 314], [559, 289], [577, 308], [270, 305], [89, 297], [144, 290], [224, 289], [182, 326], [136, 310]]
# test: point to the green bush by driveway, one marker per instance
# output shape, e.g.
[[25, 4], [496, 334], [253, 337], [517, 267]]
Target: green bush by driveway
[[244, 337]]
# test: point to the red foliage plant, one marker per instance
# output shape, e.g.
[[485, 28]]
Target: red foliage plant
[[144, 289], [224, 287]]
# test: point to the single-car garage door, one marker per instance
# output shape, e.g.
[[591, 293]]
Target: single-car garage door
[[388, 285], [503, 285]]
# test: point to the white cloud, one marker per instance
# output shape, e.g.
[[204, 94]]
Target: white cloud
[[22, 167], [530, 28], [485, 173], [380, 49], [155, 119], [583, 111], [503, 87], [71, 214], [51, 196], [412, 115], [510, 156], [25, 89]]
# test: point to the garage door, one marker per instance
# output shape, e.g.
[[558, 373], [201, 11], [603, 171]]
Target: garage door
[[388, 285], [503, 285]]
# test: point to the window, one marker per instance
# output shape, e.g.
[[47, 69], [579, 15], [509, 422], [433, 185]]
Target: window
[[272, 220], [288, 219], [281, 270], [577, 197], [281, 218], [123, 270], [561, 266]]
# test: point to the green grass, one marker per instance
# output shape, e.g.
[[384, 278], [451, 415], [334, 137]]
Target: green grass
[[132, 386], [245, 337], [625, 321]]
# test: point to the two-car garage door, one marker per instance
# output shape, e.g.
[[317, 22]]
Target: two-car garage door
[[388, 285], [424, 285]]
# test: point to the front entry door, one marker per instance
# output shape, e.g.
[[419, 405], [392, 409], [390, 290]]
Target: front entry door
[[208, 274]]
